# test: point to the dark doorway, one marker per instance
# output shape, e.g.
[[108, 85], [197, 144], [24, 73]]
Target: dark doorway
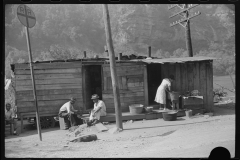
[[92, 83], [154, 80]]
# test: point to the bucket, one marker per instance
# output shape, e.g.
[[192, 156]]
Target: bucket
[[136, 108], [188, 113], [169, 116], [149, 109], [174, 96]]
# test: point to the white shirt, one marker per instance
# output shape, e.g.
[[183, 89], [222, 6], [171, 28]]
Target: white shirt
[[100, 104], [67, 107], [9, 114]]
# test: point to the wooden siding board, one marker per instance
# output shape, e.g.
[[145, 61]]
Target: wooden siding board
[[46, 71], [130, 94], [203, 82], [48, 81], [45, 87], [48, 92], [22, 104], [178, 79], [120, 82], [48, 109], [209, 78], [196, 76], [48, 76], [49, 97], [133, 89], [145, 81], [58, 65], [190, 76], [124, 82], [184, 78], [172, 71]]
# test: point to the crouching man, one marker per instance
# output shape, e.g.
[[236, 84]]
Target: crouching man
[[69, 113], [10, 118], [98, 110]]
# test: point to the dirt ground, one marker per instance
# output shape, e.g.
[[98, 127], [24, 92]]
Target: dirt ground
[[194, 137]]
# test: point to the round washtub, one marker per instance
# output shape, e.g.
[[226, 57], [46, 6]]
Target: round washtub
[[169, 116], [136, 108]]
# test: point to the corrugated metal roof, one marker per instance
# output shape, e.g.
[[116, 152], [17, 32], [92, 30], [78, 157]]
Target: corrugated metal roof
[[175, 60]]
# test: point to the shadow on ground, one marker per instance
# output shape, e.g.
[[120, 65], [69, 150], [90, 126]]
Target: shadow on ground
[[31, 129], [224, 109]]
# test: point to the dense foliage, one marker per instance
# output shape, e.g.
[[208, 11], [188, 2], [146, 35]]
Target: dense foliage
[[65, 31]]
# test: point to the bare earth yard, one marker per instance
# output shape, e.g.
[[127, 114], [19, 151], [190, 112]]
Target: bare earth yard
[[194, 137]]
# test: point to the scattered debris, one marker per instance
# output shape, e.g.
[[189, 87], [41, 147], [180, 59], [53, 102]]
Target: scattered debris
[[114, 130], [76, 130], [100, 127]]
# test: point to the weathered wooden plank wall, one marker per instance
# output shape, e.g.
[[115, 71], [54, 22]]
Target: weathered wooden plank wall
[[184, 77], [131, 85], [190, 82], [192, 76], [178, 80], [172, 71], [203, 82], [55, 83], [209, 74]]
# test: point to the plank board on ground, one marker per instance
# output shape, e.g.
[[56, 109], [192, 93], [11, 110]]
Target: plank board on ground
[[100, 127]]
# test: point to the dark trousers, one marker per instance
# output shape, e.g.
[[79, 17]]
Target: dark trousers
[[70, 119]]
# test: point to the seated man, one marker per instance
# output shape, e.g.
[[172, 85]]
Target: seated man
[[10, 117], [69, 113], [98, 110]]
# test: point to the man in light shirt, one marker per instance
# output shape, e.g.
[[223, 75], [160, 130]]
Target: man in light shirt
[[69, 113], [98, 110], [10, 117]]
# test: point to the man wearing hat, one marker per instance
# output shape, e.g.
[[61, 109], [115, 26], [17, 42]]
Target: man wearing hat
[[69, 113], [98, 110]]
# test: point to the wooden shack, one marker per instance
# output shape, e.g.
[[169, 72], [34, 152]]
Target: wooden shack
[[138, 80]]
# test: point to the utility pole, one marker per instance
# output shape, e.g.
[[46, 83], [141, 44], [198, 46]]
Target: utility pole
[[117, 104], [185, 22]]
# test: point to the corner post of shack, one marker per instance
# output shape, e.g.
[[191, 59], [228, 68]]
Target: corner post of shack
[[115, 87], [28, 19]]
